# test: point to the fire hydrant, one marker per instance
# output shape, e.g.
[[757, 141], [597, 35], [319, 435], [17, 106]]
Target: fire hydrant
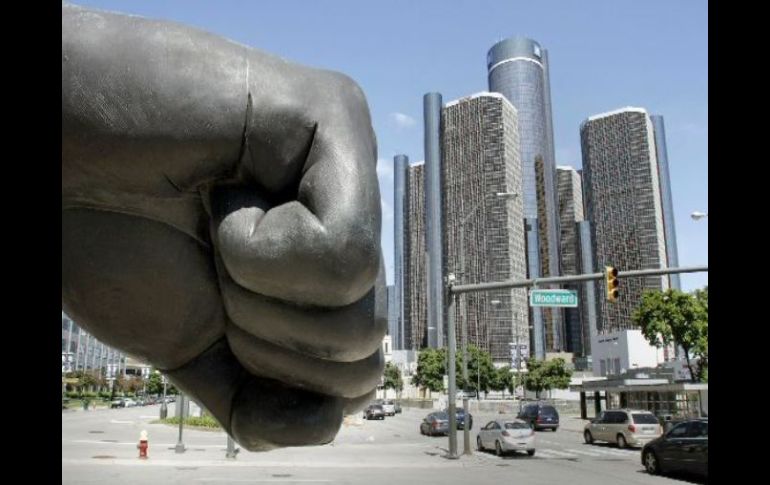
[[143, 445]]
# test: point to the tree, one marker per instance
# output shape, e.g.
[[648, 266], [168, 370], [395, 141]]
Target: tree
[[479, 362], [674, 317], [431, 364], [547, 375], [502, 380], [392, 378], [155, 383]]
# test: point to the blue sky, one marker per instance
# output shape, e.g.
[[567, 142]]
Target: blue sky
[[603, 55]]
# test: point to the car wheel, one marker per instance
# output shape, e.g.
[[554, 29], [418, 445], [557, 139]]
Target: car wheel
[[479, 446], [554, 429], [588, 437], [622, 441], [651, 463], [531, 452], [498, 449]]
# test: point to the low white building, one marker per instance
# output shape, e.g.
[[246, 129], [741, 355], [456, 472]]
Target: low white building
[[617, 352]]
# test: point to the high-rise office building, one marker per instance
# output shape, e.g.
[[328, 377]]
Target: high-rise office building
[[665, 194], [400, 163], [570, 188], [518, 68], [415, 261], [390, 291], [623, 203], [484, 220]]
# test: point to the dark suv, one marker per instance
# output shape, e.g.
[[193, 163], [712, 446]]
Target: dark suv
[[540, 416]]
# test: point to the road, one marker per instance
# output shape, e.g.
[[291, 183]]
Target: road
[[99, 446]]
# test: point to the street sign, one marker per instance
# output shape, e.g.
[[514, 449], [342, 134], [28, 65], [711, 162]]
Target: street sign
[[553, 298]]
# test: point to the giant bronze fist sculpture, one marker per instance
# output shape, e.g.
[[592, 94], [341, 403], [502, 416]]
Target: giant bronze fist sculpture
[[221, 221]]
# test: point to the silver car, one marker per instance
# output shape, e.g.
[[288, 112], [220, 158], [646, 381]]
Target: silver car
[[506, 435], [626, 427]]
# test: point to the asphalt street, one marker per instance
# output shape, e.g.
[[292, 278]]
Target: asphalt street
[[100, 446]]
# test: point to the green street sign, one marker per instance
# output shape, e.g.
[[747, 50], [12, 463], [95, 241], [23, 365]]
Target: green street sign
[[553, 298]]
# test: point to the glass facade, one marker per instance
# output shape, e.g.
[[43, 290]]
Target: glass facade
[[623, 203], [400, 163], [665, 196], [518, 69]]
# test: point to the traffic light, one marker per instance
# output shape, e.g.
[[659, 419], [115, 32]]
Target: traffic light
[[611, 277]]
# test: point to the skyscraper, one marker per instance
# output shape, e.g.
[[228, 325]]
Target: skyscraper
[[623, 202], [665, 195], [518, 69], [400, 162], [570, 187], [484, 221], [415, 261]]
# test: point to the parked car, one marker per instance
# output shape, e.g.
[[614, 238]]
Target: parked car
[[460, 414], [435, 423], [389, 407], [118, 403], [684, 448], [374, 411], [625, 427], [506, 436], [540, 416], [130, 403]]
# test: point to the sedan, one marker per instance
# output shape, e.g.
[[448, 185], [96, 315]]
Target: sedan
[[435, 423], [684, 448], [505, 436], [374, 411]]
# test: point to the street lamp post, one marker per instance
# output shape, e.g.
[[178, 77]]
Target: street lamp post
[[163, 405], [179, 448], [452, 419]]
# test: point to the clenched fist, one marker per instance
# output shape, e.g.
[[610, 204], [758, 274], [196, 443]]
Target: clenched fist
[[221, 220]]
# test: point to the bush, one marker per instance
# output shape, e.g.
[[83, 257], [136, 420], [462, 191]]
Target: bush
[[89, 394], [73, 394], [202, 422], [105, 394]]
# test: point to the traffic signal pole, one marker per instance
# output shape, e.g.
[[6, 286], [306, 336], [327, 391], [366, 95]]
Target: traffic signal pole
[[501, 285]]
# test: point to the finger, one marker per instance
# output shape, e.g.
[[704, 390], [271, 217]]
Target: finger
[[322, 248], [343, 334], [346, 379], [260, 414]]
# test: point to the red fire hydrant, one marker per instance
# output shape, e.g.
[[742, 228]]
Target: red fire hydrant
[[143, 445]]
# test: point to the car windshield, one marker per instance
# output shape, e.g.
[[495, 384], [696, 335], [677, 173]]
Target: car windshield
[[516, 426], [644, 418], [376, 406], [441, 416], [389, 403]]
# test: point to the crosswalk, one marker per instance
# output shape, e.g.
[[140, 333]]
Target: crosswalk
[[587, 452]]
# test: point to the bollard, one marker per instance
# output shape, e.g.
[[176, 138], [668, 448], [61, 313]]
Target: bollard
[[143, 445]]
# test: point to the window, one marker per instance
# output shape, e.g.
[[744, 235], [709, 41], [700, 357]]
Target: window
[[617, 366], [678, 431], [516, 426], [644, 418], [698, 429]]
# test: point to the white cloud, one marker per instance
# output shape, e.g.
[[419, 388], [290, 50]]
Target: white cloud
[[385, 169], [402, 120], [387, 211]]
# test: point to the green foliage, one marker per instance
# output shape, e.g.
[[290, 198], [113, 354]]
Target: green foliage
[[431, 364], [155, 383], [502, 379], [673, 317], [547, 375], [479, 362], [204, 421], [392, 378]]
